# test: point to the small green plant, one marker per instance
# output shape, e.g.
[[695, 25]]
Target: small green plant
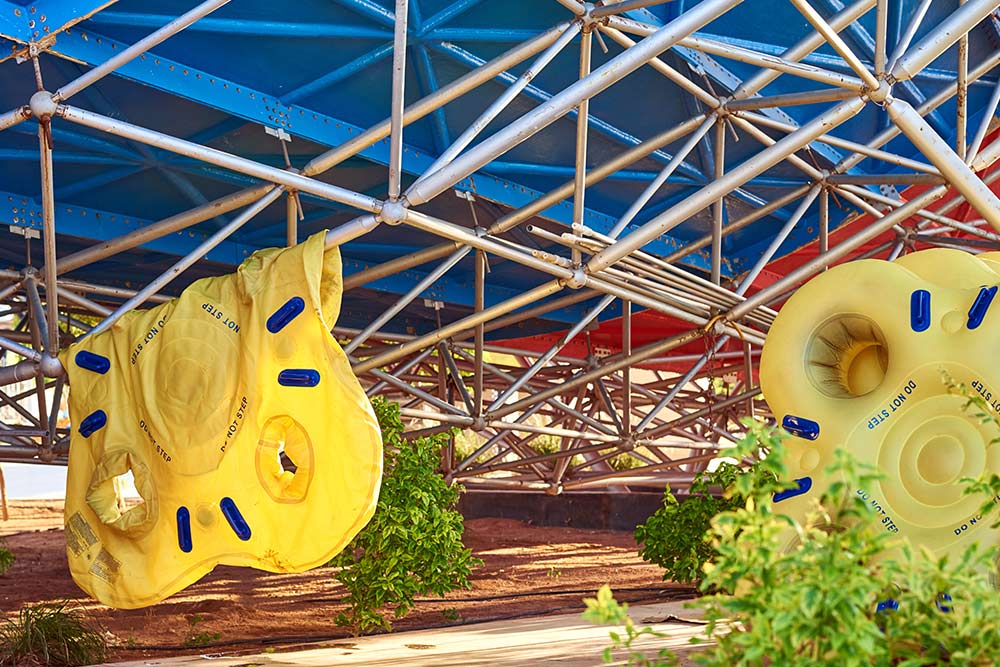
[[545, 444], [605, 610], [198, 637], [49, 635], [624, 462], [6, 558], [451, 614], [553, 572], [413, 544], [837, 589], [675, 537]]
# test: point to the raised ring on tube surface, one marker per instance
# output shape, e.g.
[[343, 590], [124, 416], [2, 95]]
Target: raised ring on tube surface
[[861, 358]]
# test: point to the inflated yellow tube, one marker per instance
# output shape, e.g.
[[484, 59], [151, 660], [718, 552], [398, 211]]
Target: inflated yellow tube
[[247, 435], [857, 359]]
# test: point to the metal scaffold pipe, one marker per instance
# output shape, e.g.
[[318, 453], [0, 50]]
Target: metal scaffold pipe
[[560, 104], [203, 249], [841, 250], [398, 89], [134, 51], [953, 167], [737, 176], [160, 229], [14, 117], [220, 159], [938, 40], [444, 95]]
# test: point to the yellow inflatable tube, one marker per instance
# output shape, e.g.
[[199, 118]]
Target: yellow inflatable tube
[[856, 359], [247, 435]]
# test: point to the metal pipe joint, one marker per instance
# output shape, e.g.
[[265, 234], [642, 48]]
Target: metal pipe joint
[[43, 105], [393, 212]]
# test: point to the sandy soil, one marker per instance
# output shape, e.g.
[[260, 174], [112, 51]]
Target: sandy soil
[[528, 570]]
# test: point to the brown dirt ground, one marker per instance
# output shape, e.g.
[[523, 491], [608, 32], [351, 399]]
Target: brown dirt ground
[[528, 570]]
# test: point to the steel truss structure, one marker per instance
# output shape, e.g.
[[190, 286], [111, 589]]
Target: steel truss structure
[[590, 326]]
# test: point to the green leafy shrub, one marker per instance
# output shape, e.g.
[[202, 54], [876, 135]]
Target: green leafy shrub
[[605, 610], [818, 603], [49, 635], [6, 558], [413, 544], [198, 637], [675, 537]]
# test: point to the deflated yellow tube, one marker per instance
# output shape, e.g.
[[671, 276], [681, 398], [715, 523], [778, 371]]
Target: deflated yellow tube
[[248, 437]]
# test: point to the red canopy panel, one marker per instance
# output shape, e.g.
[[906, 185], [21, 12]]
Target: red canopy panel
[[650, 326]]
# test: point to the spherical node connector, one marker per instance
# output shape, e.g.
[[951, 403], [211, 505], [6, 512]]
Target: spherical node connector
[[554, 489], [578, 280], [43, 106], [392, 213], [51, 367], [587, 16], [882, 94], [46, 455], [479, 424]]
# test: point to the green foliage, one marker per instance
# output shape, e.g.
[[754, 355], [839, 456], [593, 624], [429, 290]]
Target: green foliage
[[987, 486], [675, 536], [413, 544], [808, 594], [624, 462], [49, 635], [6, 558], [198, 638], [605, 610]]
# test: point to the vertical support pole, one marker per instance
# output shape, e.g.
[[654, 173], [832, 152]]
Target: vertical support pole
[[443, 393], [480, 297], [398, 89], [720, 165], [897, 250], [582, 124], [292, 220], [35, 324], [748, 382], [824, 222], [962, 93], [881, 30], [37, 312], [50, 439], [49, 238], [984, 125], [4, 514], [627, 371]]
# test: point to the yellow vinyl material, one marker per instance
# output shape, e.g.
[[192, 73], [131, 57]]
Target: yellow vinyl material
[[247, 435], [858, 358]]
